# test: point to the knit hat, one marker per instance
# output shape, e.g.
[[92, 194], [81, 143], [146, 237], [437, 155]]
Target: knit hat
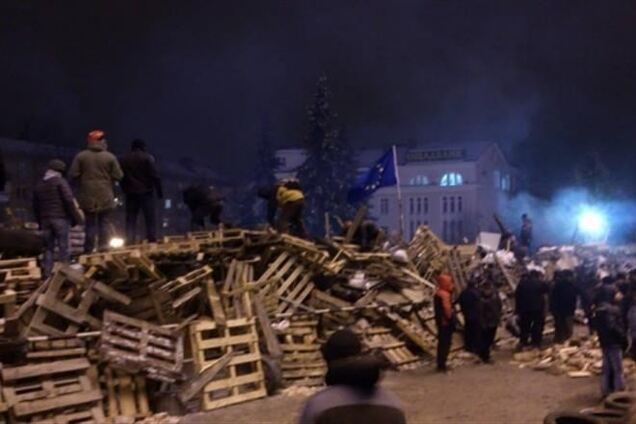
[[96, 137], [57, 165], [342, 344]]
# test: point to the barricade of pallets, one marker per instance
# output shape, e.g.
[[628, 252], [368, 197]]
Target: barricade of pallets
[[126, 395], [395, 351], [302, 362], [243, 378], [55, 392]]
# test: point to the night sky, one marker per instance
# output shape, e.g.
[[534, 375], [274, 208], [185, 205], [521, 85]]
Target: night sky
[[549, 80]]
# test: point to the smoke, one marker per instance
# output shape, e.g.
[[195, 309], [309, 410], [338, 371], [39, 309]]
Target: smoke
[[555, 220]]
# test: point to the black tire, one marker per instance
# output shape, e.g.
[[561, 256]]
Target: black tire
[[570, 417], [621, 401], [607, 416], [273, 374]]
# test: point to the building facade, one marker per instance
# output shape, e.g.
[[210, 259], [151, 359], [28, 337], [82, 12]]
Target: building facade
[[454, 190]]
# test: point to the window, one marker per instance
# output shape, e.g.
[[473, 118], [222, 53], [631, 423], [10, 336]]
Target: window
[[460, 230], [384, 206], [411, 207], [452, 204], [505, 182], [444, 204], [419, 180], [497, 178], [445, 231], [167, 204], [426, 205], [451, 179], [419, 205], [452, 231], [459, 203]]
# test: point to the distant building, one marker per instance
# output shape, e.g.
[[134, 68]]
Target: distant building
[[454, 189], [26, 162]]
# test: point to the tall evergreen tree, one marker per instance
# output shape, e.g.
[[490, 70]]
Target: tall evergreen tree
[[327, 173]]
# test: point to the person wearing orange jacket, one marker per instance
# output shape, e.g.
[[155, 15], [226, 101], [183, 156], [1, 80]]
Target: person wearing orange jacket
[[444, 319]]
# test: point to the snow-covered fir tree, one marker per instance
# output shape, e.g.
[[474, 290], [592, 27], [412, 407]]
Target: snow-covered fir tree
[[328, 172]]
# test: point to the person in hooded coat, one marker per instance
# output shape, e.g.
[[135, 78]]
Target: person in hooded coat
[[469, 303], [353, 395], [612, 337], [563, 304], [445, 319], [96, 171], [55, 211], [291, 202], [490, 307], [530, 307]]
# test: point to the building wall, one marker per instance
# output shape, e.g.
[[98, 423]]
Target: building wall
[[454, 192]]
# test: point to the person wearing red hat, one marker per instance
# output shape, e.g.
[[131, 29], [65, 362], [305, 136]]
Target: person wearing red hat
[[96, 171], [444, 319]]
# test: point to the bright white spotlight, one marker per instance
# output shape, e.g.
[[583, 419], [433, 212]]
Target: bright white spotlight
[[116, 243], [592, 223]]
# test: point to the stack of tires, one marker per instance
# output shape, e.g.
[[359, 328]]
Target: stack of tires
[[617, 409]]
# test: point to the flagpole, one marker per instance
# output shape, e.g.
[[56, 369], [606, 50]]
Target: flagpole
[[399, 192]]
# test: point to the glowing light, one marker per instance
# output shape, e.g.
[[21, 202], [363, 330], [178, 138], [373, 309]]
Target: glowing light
[[116, 243], [592, 223]]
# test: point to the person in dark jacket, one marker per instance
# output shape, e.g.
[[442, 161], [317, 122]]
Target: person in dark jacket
[[269, 195], [611, 334], [469, 303], [444, 319], [140, 183], [530, 307], [525, 234], [490, 307], [352, 395], [56, 211], [563, 304], [96, 171], [204, 202]]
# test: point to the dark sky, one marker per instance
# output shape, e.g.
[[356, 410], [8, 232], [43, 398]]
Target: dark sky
[[546, 79]]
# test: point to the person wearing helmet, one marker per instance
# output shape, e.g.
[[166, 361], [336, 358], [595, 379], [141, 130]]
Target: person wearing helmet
[[56, 211], [96, 170]]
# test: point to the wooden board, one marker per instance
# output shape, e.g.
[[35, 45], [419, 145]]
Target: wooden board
[[138, 346], [243, 378], [302, 362], [125, 394]]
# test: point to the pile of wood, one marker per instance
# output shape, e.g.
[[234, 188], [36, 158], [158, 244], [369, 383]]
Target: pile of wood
[[577, 359], [207, 318]]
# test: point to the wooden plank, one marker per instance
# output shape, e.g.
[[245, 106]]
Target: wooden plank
[[27, 371], [198, 384], [44, 405], [271, 341]]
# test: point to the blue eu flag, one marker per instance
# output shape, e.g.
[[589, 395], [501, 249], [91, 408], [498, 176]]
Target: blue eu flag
[[381, 174]]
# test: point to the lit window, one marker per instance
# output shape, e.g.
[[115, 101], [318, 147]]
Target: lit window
[[419, 180], [451, 179], [505, 182], [167, 204]]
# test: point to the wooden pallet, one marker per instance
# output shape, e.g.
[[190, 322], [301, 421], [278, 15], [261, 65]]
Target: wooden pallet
[[138, 346], [291, 279], [45, 351], [302, 362], [126, 395], [19, 270], [393, 350], [236, 291], [59, 392], [457, 269], [243, 378], [184, 289], [63, 308]]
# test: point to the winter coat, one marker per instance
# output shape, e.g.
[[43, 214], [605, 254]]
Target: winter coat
[[199, 195], [490, 308], [443, 302], [631, 322], [285, 195], [140, 174], [530, 295], [96, 170], [53, 199], [469, 303], [563, 298], [609, 325]]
